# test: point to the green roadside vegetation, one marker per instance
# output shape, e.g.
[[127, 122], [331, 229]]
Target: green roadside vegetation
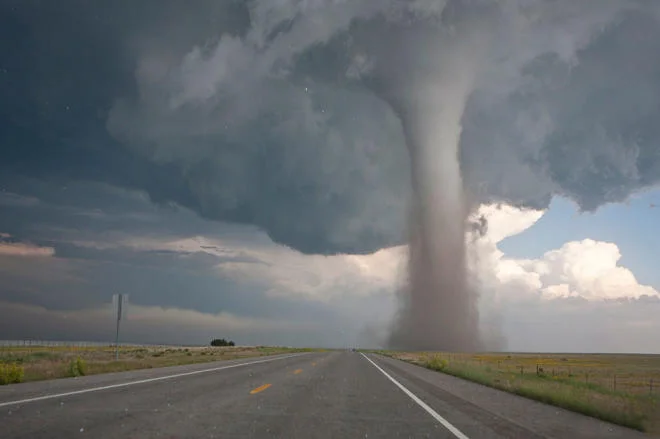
[[34, 363]]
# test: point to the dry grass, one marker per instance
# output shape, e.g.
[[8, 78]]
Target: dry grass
[[43, 363], [623, 389]]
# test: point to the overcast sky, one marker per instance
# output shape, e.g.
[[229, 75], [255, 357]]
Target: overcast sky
[[237, 169]]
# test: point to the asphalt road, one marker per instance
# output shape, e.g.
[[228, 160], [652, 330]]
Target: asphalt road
[[314, 395]]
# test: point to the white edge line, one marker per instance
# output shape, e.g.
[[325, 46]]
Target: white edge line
[[455, 431], [132, 383]]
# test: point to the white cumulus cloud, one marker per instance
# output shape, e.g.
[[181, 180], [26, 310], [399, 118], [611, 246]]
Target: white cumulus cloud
[[586, 269], [574, 298]]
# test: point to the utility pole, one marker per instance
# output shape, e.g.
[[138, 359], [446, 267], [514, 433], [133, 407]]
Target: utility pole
[[120, 302]]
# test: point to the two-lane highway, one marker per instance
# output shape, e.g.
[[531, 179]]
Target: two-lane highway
[[315, 395]]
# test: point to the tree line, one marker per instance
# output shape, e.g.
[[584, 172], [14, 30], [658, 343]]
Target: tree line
[[221, 342]]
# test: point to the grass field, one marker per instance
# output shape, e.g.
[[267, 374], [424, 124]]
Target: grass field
[[19, 364], [622, 389]]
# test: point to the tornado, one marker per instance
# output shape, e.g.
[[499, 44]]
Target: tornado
[[429, 91], [438, 309]]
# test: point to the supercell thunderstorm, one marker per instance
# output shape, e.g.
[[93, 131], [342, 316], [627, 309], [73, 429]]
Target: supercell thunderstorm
[[347, 126]]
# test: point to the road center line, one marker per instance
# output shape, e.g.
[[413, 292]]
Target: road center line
[[260, 389], [455, 431], [133, 383], [297, 371]]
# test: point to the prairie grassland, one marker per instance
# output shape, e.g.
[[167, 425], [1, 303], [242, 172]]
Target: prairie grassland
[[42, 363], [622, 389]]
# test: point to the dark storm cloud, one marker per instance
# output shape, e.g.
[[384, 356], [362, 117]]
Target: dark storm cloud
[[86, 212], [582, 127], [264, 115], [68, 65]]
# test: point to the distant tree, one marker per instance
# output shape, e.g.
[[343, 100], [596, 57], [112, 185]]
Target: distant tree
[[221, 342]]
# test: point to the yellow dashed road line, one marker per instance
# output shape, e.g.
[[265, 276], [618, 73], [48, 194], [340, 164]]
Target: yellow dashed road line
[[260, 389], [297, 371]]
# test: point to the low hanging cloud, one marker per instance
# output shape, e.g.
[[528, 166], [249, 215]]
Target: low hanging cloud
[[143, 324], [281, 271], [238, 284], [11, 247], [286, 273]]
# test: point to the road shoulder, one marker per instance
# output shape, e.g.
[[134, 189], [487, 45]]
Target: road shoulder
[[470, 398]]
